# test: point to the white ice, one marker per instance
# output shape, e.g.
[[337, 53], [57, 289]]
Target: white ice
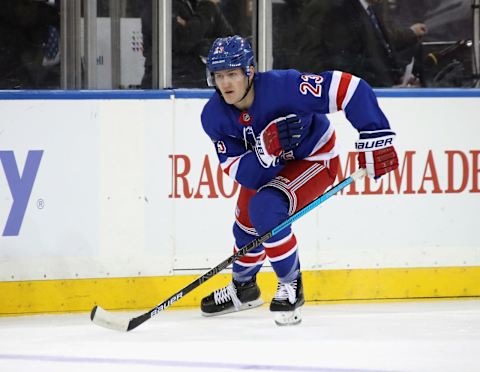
[[393, 336]]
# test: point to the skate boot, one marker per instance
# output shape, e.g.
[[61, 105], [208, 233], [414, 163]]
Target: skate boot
[[287, 303], [234, 297]]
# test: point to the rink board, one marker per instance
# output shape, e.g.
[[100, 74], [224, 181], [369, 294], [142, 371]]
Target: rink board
[[116, 197], [51, 296]]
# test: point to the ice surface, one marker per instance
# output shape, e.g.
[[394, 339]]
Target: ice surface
[[393, 336]]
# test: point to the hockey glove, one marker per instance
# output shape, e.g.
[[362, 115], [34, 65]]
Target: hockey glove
[[376, 152], [282, 134]]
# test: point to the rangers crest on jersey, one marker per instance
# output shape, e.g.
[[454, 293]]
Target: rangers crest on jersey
[[245, 118]]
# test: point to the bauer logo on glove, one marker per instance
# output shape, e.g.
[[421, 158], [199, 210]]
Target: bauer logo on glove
[[374, 143], [376, 152]]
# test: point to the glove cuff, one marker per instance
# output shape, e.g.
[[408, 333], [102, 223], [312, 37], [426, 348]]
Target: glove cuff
[[266, 160]]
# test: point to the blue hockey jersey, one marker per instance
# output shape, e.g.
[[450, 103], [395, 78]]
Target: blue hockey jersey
[[279, 93]]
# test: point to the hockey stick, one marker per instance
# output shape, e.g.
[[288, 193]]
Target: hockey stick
[[106, 319]]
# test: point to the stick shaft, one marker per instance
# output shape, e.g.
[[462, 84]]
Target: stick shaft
[[135, 322]]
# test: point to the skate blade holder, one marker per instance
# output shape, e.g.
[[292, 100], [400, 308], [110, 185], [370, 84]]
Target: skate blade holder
[[286, 318]]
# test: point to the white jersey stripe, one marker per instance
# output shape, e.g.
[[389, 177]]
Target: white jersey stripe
[[305, 174], [318, 170], [279, 242], [230, 162], [292, 198], [289, 190], [250, 254], [325, 155], [332, 93], [248, 230], [283, 256], [352, 87], [324, 139]]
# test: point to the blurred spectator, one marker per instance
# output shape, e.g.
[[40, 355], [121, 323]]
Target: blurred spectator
[[310, 53], [239, 14], [350, 35], [448, 20], [286, 33], [406, 12], [103, 8], [195, 24], [446, 55], [29, 44]]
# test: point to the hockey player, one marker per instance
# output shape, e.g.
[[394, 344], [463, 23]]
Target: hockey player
[[271, 135]]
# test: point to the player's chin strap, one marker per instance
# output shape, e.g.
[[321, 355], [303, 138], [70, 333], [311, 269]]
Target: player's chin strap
[[247, 90]]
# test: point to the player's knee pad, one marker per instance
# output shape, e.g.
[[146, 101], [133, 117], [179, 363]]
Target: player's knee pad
[[267, 209]]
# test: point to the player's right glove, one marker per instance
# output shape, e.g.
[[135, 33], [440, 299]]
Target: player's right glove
[[280, 135], [376, 152]]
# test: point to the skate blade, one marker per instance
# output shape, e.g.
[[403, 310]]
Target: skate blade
[[245, 306], [287, 318]]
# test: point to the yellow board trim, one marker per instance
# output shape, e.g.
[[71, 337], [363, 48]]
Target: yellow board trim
[[52, 296]]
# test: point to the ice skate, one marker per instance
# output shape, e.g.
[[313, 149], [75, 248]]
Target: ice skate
[[287, 303], [234, 297]]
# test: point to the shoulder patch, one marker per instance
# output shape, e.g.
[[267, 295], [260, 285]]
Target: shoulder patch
[[221, 148]]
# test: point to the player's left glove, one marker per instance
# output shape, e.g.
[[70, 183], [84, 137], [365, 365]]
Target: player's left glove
[[376, 152]]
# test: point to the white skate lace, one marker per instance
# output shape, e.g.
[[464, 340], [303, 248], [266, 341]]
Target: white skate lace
[[222, 295], [287, 291]]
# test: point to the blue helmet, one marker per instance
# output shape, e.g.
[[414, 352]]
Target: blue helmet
[[228, 53]]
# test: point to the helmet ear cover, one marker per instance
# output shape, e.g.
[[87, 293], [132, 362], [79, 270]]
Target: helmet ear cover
[[229, 53]]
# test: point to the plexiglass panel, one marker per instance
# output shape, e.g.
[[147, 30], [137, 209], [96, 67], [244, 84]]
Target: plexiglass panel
[[195, 25], [29, 44], [389, 43]]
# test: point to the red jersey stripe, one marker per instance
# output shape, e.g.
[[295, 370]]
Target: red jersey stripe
[[255, 259], [280, 250], [342, 89], [227, 169]]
